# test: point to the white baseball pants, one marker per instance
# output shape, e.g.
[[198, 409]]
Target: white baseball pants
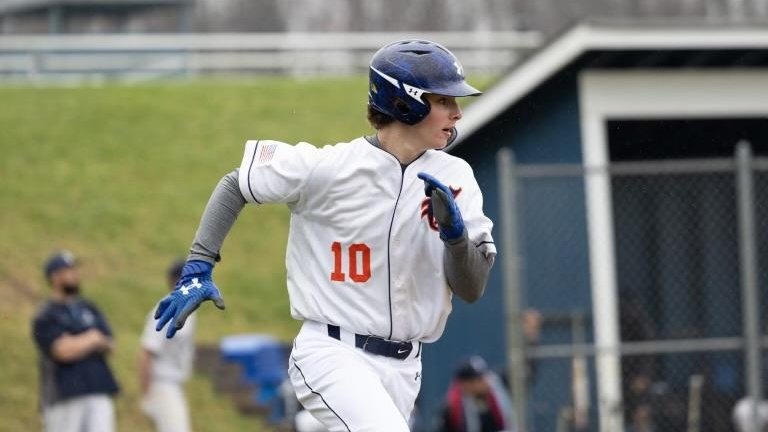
[[348, 389], [166, 405], [92, 413]]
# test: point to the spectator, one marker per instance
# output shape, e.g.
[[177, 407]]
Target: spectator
[[638, 372], [477, 401], [73, 339], [164, 365]]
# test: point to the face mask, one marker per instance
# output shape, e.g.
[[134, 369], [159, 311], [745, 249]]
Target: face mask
[[71, 288]]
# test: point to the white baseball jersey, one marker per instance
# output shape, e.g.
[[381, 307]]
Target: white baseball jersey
[[173, 358], [361, 252]]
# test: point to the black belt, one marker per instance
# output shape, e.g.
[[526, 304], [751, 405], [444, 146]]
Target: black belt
[[377, 345]]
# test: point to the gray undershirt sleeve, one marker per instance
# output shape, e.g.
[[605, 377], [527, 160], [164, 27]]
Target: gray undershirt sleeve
[[466, 268], [220, 214]]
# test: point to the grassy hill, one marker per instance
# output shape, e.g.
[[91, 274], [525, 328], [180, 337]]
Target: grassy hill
[[120, 175]]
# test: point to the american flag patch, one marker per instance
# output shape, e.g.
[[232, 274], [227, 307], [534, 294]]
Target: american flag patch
[[266, 152]]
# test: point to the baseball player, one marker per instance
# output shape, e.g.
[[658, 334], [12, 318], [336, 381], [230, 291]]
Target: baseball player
[[384, 230], [164, 365]]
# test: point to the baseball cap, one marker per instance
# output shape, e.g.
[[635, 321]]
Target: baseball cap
[[58, 260], [473, 367]]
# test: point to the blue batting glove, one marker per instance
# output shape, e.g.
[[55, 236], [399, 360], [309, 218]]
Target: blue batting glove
[[195, 285], [443, 207]]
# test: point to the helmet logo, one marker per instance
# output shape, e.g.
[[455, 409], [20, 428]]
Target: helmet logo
[[459, 69], [414, 92]]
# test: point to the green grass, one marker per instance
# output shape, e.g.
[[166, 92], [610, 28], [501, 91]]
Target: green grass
[[120, 175]]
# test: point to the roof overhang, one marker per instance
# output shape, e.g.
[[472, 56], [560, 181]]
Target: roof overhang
[[586, 37]]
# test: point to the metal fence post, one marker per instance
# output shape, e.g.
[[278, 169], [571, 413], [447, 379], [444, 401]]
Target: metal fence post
[[748, 277], [507, 185]]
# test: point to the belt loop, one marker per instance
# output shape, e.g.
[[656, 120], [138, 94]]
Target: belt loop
[[334, 331]]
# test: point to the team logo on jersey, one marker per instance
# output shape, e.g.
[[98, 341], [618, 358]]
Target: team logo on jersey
[[431, 221], [88, 318]]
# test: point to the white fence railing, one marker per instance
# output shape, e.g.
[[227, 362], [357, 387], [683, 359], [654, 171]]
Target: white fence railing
[[138, 56]]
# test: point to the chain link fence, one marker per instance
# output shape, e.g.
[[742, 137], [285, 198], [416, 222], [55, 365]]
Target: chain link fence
[[689, 241]]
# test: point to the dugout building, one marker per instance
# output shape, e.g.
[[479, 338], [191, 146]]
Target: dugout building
[[628, 230]]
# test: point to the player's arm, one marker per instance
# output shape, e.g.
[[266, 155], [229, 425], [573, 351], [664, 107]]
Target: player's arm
[[64, 347], [466, 266], [271, 172], [68, 348], [196, 284], [152, 342], [219, 216], [144, 364]]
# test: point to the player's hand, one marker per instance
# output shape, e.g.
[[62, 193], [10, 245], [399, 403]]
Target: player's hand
[[443, 207], [193, 287]]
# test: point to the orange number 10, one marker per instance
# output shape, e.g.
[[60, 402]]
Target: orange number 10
[[356, 251]]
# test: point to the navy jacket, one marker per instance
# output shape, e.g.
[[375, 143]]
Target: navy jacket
[[89, 375]]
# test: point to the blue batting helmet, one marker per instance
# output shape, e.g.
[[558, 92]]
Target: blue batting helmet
[[403, 71]]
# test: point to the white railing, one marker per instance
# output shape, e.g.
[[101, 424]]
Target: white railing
[[137, 56]]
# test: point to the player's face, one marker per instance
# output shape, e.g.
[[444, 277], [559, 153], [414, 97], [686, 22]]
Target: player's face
[[477, 387], [436, 129], [66, 281]]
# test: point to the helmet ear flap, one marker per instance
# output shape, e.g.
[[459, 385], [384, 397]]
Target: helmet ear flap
[[401, 105], [410, 113]]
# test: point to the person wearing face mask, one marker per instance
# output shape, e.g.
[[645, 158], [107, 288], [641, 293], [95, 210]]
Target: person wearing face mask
[[73, 340]]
